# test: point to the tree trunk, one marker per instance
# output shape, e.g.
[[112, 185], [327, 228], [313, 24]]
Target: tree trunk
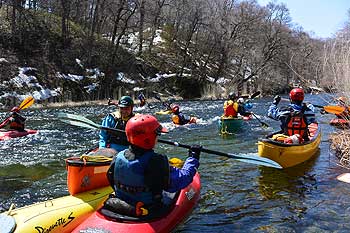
[[142, 19]]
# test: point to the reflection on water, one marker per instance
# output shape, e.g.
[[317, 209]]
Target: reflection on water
[[274, 183], [235, 196]]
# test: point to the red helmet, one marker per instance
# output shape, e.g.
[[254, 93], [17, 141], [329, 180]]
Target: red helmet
[[175, 108], [15, 109], [142, 130], [297, 94]]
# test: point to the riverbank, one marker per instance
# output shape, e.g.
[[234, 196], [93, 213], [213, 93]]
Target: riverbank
[[69, 104], [340, 144], [91, 103]]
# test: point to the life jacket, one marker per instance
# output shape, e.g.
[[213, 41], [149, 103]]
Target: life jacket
[[16, 126], [129, 177], [180, 119], [118, 137], [175, 119], [230, 109], [296, 123], [17, 123]]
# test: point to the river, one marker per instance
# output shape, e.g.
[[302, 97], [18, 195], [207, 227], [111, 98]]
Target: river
[[235, 196]]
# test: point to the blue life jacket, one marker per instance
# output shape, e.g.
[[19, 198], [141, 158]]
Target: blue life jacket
[[129, 178], [118, 140]]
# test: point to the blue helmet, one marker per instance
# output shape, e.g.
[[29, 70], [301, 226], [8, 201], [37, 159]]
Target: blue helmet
[[248, 105]]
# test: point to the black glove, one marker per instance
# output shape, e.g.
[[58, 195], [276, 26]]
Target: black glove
[[322, 111], [195, 151], [276, 99]]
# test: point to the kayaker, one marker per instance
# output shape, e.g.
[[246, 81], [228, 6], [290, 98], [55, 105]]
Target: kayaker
[[118, 120], [15, 121], [295, 117], [139, 175], [142, 99], [167, 104], [342, 101], [243, 107], [178, 117], [232, 106]]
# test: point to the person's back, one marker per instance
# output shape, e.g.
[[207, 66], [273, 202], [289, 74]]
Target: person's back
[[17, 122], [139, 175], [231, 106], [295, 117]]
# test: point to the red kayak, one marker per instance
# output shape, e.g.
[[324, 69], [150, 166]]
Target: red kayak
[[6, 134], [340, 122], [247, 118], [106, 221]]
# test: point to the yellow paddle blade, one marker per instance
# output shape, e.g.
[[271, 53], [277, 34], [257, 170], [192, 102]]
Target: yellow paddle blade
[[334, 109], [27, 102]]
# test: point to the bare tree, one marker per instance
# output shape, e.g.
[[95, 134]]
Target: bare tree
[[142, 4], [155, 14]]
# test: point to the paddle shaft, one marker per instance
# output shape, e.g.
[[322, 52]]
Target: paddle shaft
[[177, 144], [328, 109], [315, 105], [262, 123], [84, 122], [202, 149], [258, 160]]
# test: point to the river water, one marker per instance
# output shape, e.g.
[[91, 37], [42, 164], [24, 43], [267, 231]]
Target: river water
[[235, 196]]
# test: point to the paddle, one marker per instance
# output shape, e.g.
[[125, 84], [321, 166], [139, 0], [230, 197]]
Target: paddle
[[26, 103], [142, 97], [254, 95], [263, 124], [334, 109], [84, 122], [165, 104], [329, 108], [250, 96]]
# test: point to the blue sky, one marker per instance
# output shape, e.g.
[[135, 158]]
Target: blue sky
[[323, 17]]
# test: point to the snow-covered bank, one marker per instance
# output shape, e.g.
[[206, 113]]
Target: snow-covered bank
[[70, 104]]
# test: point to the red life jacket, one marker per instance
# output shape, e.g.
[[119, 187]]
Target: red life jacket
[[297, 124], [229, 110], [17, 126]]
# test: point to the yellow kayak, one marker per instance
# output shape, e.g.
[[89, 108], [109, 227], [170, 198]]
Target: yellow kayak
[[55, 216], [289, 155], [163, 112]]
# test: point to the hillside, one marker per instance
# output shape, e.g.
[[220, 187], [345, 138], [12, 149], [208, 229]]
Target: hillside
[[60, 52]]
